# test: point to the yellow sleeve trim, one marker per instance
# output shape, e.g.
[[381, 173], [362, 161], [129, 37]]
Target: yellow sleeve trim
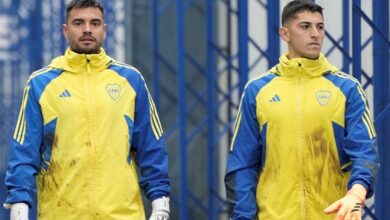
[[20, 129], [154, 119], [237, 123]]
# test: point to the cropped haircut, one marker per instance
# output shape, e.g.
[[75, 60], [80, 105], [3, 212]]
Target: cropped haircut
[[83, 4], [291, 10]]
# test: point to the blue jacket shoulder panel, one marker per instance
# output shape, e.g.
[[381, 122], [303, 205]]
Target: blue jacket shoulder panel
[[40, 79], [254, 86], [345, 82], [132, 75]]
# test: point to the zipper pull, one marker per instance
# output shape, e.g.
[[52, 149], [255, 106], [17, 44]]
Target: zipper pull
[[299, 70], [89, 70]]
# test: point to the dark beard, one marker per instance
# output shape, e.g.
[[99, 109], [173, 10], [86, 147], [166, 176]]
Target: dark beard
[[86, 50]]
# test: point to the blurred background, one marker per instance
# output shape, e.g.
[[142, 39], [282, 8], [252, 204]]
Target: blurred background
[[196, 56]]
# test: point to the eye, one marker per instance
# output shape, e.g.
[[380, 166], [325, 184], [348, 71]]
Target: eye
[[320, 27], [96, 23], [305, 26], [77, 23]]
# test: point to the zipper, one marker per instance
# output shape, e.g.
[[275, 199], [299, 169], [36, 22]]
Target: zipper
[[87, 139], [299, 141], [91, 143]]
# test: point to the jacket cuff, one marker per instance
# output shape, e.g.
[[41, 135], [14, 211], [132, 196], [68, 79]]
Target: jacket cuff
[[15, 196], [370, 191]]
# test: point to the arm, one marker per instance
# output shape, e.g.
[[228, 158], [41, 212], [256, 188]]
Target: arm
[[149, 145], [243, 164], [24, 154], [360, 145], [360, 141]]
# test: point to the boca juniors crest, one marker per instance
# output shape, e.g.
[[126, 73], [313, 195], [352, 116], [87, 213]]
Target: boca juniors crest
[[323, 97], [113, 90]]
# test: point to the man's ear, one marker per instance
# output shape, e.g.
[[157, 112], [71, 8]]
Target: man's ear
[[105, 31], [65, 30], [284, 34]]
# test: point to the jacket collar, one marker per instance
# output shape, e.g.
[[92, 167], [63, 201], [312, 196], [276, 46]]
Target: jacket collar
[[74, 62], [302, 67]]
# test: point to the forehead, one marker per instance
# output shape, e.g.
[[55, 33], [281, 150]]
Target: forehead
[[85, 14], [307, 16]]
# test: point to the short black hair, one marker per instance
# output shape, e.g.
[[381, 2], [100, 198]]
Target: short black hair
[[83, 4], [291, 10]]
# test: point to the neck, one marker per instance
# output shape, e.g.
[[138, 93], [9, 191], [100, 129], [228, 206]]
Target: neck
[[86, 52], [309, 58]]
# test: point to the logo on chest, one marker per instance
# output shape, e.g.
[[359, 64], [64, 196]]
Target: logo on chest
[[65, 94], [275, 99], [113, 90], [323, 97]]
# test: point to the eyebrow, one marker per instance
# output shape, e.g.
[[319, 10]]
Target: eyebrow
[[96, 19], [307, 22], [92, 20]]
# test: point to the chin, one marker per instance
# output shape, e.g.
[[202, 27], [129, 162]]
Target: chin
[[86, 50], [311, 56]]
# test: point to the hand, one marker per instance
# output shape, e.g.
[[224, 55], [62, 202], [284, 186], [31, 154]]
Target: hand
[[350, 206], [19, 211], [160, 208], [347, 208]]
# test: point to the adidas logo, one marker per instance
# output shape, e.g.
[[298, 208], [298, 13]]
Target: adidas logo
[[65, 93], [275, 98]]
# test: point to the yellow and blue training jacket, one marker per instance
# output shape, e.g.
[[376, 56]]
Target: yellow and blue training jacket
[[86, 124], [303, 136]]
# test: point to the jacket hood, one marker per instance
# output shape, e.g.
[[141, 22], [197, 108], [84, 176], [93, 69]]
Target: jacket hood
[[302, 67], [74, 62]]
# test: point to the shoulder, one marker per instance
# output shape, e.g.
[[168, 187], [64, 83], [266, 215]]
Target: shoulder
[[44, 75], [125, 70], [256, 84], [345, 82], [342, 79], [129, 72], [40, 79]]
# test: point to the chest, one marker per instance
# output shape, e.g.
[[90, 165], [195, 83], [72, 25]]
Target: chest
[[93, 96], [300, 100]]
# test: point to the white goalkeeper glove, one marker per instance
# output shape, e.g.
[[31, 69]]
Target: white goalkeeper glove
[[19, 211], [160, 208]]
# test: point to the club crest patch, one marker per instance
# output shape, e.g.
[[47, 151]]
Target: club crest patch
[[113, 90], [323, 97]]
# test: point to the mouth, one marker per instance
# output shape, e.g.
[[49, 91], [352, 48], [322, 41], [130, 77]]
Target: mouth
[[87, 39], [314, 44]]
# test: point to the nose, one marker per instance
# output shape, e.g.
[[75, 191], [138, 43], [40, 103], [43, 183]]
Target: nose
[[87, 28], [315, 32]]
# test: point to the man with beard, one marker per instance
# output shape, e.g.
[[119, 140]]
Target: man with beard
[[86, 124]]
